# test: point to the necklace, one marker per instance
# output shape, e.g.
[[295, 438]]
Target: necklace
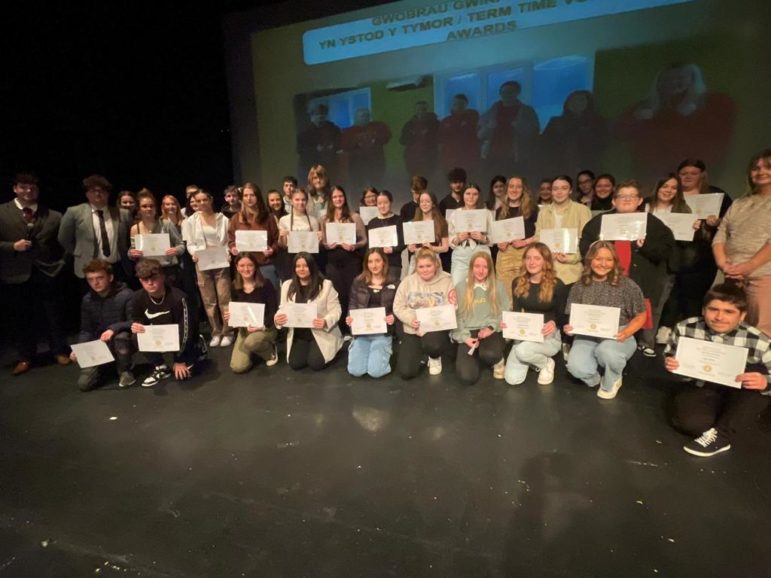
[[157, 302]]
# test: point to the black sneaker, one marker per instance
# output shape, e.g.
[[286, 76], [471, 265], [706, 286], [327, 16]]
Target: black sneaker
[[646, 350], [160, 373], [708, 444]]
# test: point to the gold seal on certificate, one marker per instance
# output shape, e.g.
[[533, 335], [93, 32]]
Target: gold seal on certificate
[[302, 242], [439, 318], [159, 338], [523, 326], [594, 320], [708, 361]]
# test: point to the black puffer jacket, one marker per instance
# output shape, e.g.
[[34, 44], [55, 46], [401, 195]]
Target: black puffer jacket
[[98, 314], [360, 292]]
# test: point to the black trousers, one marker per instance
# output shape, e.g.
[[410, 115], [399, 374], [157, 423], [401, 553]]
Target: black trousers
[[489, 352], [342, 269], [122, 349], [728, 410], [33, 306], [305, 353], [412, 350]]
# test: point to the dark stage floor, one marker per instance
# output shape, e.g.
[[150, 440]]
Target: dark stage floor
[[278, 473]]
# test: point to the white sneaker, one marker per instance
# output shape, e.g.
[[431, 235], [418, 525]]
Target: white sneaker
[[215, 341], [226, 341], [546, 375], [434, 365], [274, 359], [498, 369], [602, 394], [662, 335]]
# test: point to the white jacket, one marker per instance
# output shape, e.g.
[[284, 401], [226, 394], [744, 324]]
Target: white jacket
[[192, 232]]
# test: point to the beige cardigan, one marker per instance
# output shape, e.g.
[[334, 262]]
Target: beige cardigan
[[329, 340], [574, 217]]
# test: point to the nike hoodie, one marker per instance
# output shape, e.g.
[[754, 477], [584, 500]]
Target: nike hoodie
[[172, 309]]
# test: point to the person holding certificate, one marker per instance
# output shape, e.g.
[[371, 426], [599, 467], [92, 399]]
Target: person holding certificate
[[468, 239], [537, 290], [316, 346], [742, 246], [254, 216], [104, 316], [604, 283], [375, 288], [258, 338], [602, 197], [429, 211], [644, 260], [428, 287], [481, 299], [298, 219], [148, 223], [518, 202], [386, 218], [158, 304], [343, 259], [710, 411], [207, 231]]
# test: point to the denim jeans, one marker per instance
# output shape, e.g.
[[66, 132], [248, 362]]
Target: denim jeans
[[526, 354], [370, 354], [589, 353]]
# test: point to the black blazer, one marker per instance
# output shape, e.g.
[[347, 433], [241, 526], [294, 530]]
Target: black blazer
[[45, 254]]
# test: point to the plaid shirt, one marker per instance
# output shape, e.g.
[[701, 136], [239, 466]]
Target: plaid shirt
[[757, 342]]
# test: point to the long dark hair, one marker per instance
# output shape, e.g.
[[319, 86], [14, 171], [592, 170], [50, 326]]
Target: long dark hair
[[491, 198], [678, 203], [345, 211], [316, 281]]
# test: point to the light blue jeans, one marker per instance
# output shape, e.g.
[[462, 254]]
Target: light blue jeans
[[589, 353], [370, 354], [526, 354]]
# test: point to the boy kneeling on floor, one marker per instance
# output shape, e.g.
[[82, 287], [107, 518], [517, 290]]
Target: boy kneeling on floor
[[716, 412]]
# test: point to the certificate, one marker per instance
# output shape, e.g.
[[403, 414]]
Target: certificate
[[523, 326], [440, 318], [303, 242], [369, 321], [299, 314], [448, 214], [159, 338], [341, 233], [714, 362], [681, 224], [623, 226], [560, 240], [154, 245], [508, 230], [368, 213], [418, 232], [470, 220], [383, 237], [706, 205], [92, 353], [212, 258], [251, 241], [243, 314], [594, 320]]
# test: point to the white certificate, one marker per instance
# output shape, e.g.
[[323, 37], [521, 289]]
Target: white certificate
[[418, 232], [303, 242], [160, 338], [383, 237], [448, 214], [243, 314], [681, 224], [714, 362], [341, 233], [368, 213], [706, 205], [470, 220], [299, 314], [370, 321], [440, 318], [594, 320], [508, 230], [251, 241], [92, 353], [523, 326], [560, 240], [623, 226], [154, 245], [212, 258]]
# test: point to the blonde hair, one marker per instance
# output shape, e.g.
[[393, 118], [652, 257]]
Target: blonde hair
[[548, 275], [492, 285], [525, 201], [426, 253]]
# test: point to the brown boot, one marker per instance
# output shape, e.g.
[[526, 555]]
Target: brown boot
[[62, 359], [21, 367]]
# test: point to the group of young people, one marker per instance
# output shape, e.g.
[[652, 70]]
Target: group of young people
[[655, 282]]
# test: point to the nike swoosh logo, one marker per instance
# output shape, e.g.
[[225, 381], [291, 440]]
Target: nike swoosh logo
[[154, 315]]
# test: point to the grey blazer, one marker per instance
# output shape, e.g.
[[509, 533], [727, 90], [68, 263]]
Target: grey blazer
[[45, 254], [77, 235]]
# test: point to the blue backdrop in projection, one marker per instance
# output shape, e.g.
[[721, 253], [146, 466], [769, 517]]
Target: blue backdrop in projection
[[452, 20]]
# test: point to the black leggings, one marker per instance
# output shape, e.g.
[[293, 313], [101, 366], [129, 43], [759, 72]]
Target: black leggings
[[342, 269], [306, 353], [489, 352], [412, 349]]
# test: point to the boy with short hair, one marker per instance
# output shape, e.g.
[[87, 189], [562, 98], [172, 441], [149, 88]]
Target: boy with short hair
[[715, 412]]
